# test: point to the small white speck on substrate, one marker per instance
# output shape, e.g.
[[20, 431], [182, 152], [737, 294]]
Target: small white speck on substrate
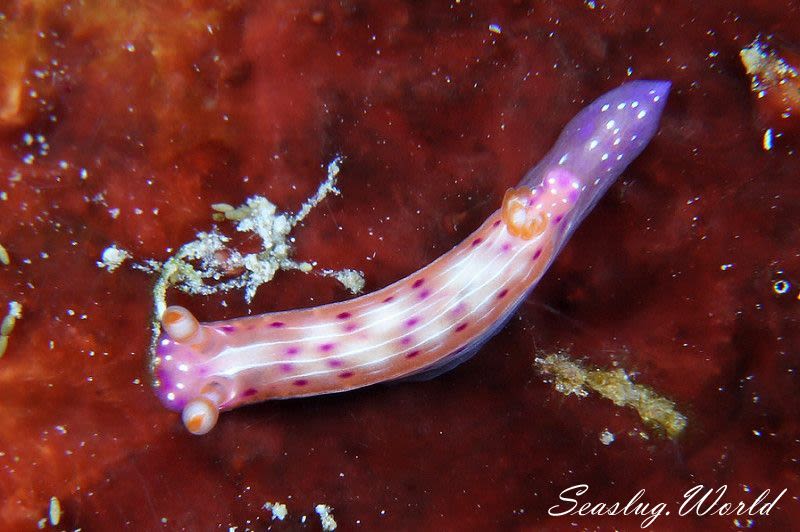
[[54, 512], [495, 28], [606, 437], [766, 142], [781, 286]]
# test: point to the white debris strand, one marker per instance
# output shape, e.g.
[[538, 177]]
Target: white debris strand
[[207, 265]]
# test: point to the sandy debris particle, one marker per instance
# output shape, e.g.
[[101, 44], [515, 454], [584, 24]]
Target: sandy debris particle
[[572, 377], [352, 280], [278, 509], [7, 325], [607, 437], [4, 258], [54, 512], [112, 258], [325, 513], [766, 68]]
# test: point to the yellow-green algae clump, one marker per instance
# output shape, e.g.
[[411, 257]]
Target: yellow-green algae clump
[[572, 377]]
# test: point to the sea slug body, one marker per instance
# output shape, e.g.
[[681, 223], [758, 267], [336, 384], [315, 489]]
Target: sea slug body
[[428, 322]]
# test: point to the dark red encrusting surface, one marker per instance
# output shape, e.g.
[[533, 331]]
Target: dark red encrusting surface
[[171, 109]]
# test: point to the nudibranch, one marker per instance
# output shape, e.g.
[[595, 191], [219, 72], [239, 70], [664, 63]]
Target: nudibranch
[[432, 320]]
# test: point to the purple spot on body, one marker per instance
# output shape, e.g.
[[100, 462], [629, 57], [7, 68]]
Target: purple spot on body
[[417, 283], [537, 254], [388, 299], [412, 354], [498, 222], [335, 363], [292, 350], [343, 315], [277, 324], [228, 328], [286, 367], [461, 327], [346, 374], [326, 348], [300, 382], [410, 322], [350, 327], [425, 293], [476, 242], [405, 341], [459, 309], [502, 293], [505, 247], [558, 218], [250, 392]]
